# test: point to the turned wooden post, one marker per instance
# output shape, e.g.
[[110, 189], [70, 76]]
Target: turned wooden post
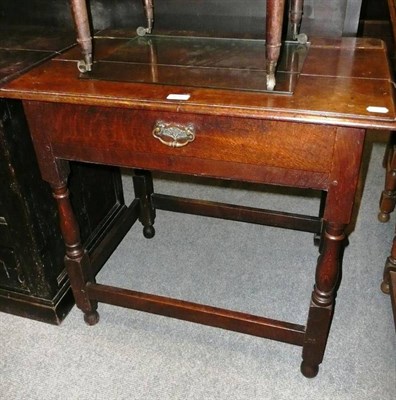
[[275, 13], [149, 12], [322, 300], [84, 38], [295, 17], [390, 265], [143, 185], [388, 195], [337, 214], [392, 291], [76, 260]]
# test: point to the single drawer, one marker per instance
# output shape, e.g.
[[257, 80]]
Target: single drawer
[[169, 141]]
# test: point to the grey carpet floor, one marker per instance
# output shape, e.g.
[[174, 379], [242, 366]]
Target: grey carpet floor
[[255, 269]]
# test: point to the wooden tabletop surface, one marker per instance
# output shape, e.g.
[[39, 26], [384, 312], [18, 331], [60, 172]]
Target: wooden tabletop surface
[[22, 47], [344, 82]]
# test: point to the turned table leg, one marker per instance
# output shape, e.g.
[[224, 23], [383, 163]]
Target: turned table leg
[[392, 291], [323, 297], [275, 13], [84, 38], [337, 215], [76, 260], [295, 17], [143, 185], [388, 196], [388, 285], [149, 12]]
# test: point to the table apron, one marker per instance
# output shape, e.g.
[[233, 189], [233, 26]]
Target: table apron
[[254, 150]]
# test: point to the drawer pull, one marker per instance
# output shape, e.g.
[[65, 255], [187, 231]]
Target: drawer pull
[[174, 135]]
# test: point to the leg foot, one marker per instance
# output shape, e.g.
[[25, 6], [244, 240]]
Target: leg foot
[[91, 318], [309, 371], [390, 266], [383, 216], [385, 287], [275, 11], [141, 31], [148, 232], [271, 81], [301, 38]]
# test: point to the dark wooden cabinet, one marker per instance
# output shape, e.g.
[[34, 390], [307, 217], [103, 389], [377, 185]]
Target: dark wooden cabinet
[[33, 282], [374, 10]]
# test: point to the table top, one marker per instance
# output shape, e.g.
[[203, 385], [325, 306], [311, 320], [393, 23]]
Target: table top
[[343, 82], [23, 47]]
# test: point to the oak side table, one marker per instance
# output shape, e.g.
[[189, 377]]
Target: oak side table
[[312, 138]]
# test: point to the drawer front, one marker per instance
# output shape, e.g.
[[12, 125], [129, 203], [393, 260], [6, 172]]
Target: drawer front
[[125, 133]]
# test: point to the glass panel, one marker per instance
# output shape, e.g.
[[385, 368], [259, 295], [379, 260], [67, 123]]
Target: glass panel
[[197, 62]]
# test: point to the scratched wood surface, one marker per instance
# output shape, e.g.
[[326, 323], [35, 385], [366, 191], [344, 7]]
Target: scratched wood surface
[[22, 47]]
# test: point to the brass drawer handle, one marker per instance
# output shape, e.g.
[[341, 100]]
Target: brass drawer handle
[[174, 135]]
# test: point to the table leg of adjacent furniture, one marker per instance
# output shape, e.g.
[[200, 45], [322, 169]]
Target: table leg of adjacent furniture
[[392, 291], [387, 206], [388, 285], [388, 195], [84, 38], [274, 27], [275, 13], [295, 17]]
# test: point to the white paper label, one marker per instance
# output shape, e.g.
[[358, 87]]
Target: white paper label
[[380, 110], [174, 96]]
